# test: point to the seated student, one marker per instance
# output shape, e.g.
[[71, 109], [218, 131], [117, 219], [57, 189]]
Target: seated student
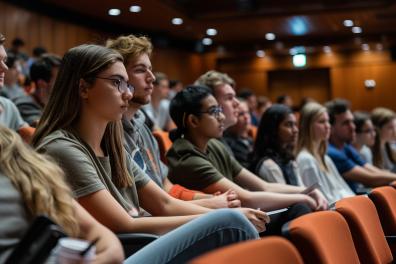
[[348, 162], [139, 141], [11, 88], [384, 121], [31, 185], [81, 128], [198, 160], [313, 163], [237, 136], [273, 155], [365, 136], [43, 74]]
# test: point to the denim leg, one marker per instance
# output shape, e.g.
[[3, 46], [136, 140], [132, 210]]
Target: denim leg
[[210, 231]]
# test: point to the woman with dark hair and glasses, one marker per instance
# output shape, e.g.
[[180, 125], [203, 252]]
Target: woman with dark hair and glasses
[[198, 160], [81, 129], [365, 135]]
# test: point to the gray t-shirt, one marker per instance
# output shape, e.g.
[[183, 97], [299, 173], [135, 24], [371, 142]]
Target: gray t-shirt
[[9, 115], [14, 219], [87, 173]]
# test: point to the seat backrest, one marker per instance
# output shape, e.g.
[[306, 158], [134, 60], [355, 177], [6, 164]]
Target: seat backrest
[[164, 143], [365, 226], [275, 250], [384, 199], [253, 132], [322, 237]]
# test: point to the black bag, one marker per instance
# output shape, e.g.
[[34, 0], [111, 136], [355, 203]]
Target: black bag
[[37, 243]]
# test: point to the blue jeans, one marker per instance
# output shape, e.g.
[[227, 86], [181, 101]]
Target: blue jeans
[[213, 230]]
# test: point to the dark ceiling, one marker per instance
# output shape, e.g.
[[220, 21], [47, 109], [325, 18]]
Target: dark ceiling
[[241, 24]]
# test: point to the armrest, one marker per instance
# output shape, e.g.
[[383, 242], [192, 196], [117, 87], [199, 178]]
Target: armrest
[[132, 242], [390, 239]]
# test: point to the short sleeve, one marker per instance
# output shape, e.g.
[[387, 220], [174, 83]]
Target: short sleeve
[[141, 178], [78, 167], [271, 172], [341, 160], [308, 169], [194, 173], [13, 118]]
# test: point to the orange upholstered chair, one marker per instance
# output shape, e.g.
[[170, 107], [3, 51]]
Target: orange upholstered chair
[[275, 250], [393, 184], [365, 226], [164, 143], [26, 133], [253, 132], [322, 237]]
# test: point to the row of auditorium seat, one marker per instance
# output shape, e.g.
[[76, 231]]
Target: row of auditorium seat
[[359, 229]]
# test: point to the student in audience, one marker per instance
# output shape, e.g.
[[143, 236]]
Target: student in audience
[[31, 185], [198, 160], [158, 108], [273, 155], [365, 136], [313, 163], [237, 136], [251, 101], [175, 86], [81, 128], [348, 162], [140, 142], [43, 74], [285, 100], [11, 88], [263, 103], [9, 114], [384, 121]]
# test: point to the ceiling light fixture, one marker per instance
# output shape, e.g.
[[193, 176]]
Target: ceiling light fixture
[[348, 23], [270, 36], [207, 41], [211, 32], [260, 53], [114, 12], [177, 21], [357, 30], [135, 8]]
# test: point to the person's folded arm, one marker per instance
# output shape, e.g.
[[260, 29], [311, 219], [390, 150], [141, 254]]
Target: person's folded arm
[[369, 177]]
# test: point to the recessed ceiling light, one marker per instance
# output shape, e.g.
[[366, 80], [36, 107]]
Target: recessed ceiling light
[[135, 8], [211, 32], [177, 21], [114, 12], [260, 53], [365, 47], [207, 41], [326, 49], [357, 30], [348, 23], [270, 36]]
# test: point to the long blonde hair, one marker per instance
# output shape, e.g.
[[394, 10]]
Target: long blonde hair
[[308, 116], [84, 62], [39, 181]]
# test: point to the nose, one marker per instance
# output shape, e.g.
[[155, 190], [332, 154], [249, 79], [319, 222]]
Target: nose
[[236, 102], [127, 95], [151, 77], [221, 116], [3, 66]]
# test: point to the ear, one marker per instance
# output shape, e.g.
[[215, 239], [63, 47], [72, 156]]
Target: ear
[[192, 121], [41, 84], [83, 87]]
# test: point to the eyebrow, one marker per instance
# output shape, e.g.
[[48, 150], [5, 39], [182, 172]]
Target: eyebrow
[[142, 65], [118, 76]]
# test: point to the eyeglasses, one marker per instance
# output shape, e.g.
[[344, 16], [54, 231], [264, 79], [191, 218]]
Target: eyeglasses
[[122, 85], [368, 131], [214, 111]]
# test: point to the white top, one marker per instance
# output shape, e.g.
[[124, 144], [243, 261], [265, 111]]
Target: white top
[[271, 172], [330, 182], [160, 116]]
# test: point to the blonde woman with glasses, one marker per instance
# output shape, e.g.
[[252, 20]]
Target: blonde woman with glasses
[[313, 163]]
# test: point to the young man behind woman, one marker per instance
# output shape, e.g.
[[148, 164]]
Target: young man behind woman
[[81, 128]]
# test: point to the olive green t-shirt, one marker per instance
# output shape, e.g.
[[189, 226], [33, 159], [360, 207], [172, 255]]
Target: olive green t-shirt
[[190, 167], [86, 173]]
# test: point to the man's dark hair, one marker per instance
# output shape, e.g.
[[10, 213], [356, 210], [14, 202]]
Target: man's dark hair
[[173, 83], [17, 42], [245, 94], [38, 51], [281, 99], [336, 107], [11, 59], [42, 68]]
